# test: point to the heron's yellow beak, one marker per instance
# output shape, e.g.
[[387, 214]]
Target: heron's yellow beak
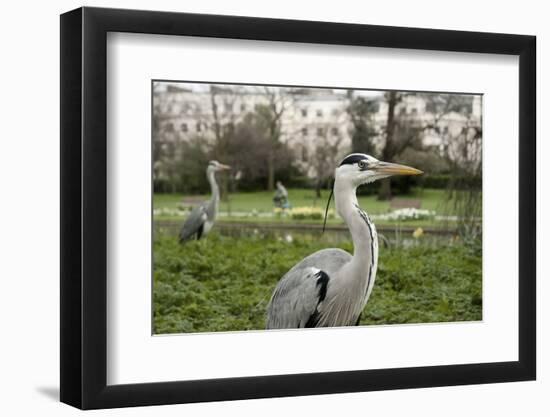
[[223, 166], [395, 169]]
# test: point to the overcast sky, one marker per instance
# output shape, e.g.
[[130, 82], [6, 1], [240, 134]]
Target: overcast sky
[[204, 87]]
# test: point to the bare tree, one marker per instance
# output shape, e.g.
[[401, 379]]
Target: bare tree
[[325, 156], [361, 113], [222, 102], [248, 149], [278, 101], [405, 130], [462, 149], [390, 148]]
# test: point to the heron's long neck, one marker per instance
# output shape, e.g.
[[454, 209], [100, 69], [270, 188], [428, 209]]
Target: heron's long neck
[[213, 187], [362, 230]]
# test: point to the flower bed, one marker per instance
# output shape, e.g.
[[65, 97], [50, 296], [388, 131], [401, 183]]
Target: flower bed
[[408, 214], [309, 213]]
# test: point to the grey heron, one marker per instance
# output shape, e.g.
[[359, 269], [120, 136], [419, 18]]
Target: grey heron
[[201, 219], [331, 287]]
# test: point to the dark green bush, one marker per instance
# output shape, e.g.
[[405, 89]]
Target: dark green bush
[[444, 181]]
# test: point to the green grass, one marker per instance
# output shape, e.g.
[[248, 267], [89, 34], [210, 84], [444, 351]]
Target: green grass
[[262, 200], [331, 221], [224, 284]]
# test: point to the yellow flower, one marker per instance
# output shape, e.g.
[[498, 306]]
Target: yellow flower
[[311, 213], [418, 232]]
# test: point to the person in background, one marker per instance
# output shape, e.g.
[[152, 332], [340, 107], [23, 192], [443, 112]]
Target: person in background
[[280, 199]]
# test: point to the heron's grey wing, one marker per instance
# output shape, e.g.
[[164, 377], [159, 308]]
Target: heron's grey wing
[[193, 224], [329, 260], [296, 299]]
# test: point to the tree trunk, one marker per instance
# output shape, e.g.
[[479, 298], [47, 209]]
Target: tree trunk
[[384, 192], [224, 189], [318, 188], [270, 172]]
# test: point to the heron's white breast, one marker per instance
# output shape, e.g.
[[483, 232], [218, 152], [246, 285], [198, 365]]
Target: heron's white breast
[[207, 226], [370, 284]]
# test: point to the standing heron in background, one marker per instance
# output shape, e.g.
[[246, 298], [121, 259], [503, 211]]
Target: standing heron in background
[[201, 219], [331, 287]]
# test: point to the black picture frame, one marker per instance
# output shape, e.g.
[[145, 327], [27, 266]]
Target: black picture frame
[[84, 207]]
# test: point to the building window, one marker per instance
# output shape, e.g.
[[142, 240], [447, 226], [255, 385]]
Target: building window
[[335, 131], [319, 113], [445, 130], [304, 112], [228, 107], [304, 131], [184, 127], [319, 131], [414, 110], [243, 107], [199, 126]]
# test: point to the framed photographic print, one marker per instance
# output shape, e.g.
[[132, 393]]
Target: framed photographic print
[[257, 208]]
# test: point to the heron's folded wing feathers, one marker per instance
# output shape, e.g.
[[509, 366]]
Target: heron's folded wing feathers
[[296, 298], [193, 223]]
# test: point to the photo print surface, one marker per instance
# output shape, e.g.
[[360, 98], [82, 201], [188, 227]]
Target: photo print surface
[[286, 207]]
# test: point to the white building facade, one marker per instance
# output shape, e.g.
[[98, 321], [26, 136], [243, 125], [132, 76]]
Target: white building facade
[[310, 118]]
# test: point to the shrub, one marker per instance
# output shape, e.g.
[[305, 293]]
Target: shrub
[[309, 213], [443, 181]]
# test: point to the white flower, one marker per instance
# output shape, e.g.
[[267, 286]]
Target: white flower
[[408, 214]]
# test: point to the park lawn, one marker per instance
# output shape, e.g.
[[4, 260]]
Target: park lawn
[[334, 221], [224, 284], [261, 201]]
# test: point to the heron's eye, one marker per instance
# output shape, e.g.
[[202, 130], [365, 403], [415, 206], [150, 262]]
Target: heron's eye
[[362, 165]]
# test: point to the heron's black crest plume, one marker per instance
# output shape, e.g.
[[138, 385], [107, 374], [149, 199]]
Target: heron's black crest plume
[[328, 204], [353, 158]]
